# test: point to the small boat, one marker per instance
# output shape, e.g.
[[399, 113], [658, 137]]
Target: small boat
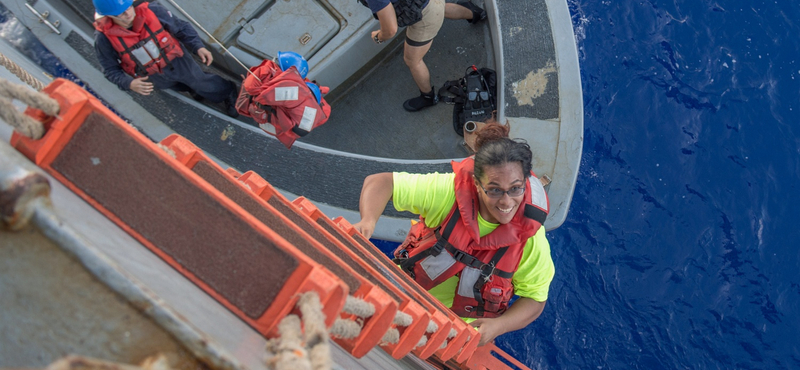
[[535, 56], [540, 98]]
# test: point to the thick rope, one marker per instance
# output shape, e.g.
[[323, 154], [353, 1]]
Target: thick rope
[[422, 341], [290, 354], [301, 349], [345, 329], [451, 335], [358, 307], [196, 23], [403, 319], [315, 335], [392, 336], [21, 122], [21, 73], [432, 327], [73, 362]]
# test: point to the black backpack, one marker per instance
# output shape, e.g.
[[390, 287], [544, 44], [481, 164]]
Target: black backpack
[[474, 96], [408, 11]]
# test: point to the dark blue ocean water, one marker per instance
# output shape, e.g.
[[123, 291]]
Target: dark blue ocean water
[[680, 249]]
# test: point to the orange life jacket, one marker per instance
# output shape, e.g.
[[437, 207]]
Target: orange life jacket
[[281, 102], [485, 264], [144, 49]]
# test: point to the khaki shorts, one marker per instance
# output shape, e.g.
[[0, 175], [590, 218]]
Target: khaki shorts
[[426, 29]]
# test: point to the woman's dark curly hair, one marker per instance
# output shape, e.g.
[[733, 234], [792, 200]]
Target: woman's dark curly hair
[[494, 148]]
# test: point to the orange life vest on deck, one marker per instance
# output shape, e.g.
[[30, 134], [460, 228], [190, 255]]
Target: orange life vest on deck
[[486, 264], [144, 49], [281, 102]]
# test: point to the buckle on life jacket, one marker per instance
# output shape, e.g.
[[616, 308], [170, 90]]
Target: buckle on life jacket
[[487, 270]]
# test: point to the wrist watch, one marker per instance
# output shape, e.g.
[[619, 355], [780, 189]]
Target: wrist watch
[[377, 40]]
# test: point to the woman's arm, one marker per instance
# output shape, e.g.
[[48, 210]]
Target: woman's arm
[[375, 194], [523, 312], [388, 20]]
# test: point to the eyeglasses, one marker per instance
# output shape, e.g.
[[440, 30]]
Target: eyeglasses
[[498, 193]]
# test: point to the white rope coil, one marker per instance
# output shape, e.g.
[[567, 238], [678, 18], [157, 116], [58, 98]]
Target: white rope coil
[[298, 349], [345, 329], [315, 335], [358, 307], [402, 319], [422, 341], [22, 74], [392, 336], [432, 327], [21, 122], [288, 348]]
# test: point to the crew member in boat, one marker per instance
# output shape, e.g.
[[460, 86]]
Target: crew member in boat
[[480, 238], [423, 19], [143, 48]]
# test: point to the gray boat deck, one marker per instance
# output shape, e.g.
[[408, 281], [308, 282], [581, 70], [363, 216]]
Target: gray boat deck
[[368, 118], [369, 131]]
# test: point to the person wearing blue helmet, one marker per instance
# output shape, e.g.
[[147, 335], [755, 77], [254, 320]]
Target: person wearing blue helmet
[[423, 19], [142, 48], [288, 59]]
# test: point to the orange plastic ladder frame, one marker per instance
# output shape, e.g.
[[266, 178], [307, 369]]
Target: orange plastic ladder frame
[[463, 331], [374, 327], [409, 336], [483, 359], [460, 346], [76, 104]]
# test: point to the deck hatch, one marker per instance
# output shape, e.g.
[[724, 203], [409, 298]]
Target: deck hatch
[[302, 26]]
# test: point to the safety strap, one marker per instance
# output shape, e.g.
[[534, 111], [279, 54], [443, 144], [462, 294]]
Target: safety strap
[[535, 213], [476, 289], [141, 70]]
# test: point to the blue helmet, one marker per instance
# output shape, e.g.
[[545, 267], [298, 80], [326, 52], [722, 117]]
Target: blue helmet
[[287, 59], [111, 7], [315, 89]]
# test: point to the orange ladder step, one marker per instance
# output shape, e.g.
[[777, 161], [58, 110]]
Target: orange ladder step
[[174, 213], [460, 347], [411, 334], [373, 327]]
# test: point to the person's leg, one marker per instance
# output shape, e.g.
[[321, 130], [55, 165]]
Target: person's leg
[[464, 10], [419, 37], [206, 85], [412, 56]]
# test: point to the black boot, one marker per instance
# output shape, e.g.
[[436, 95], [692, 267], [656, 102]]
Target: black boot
[[478, 14], [230, 102], [423, 101]]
